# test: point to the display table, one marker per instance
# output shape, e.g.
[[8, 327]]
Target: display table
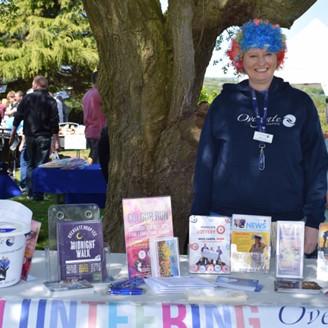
[[27, 304], [8, 187], [85, 185]]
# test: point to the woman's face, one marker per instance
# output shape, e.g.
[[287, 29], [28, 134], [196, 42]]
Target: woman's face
[[260, 65]]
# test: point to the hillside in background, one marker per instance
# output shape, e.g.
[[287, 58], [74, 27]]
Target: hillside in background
[[213, 86]]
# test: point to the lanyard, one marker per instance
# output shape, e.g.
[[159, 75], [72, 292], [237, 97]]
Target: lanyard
[[261, 124]]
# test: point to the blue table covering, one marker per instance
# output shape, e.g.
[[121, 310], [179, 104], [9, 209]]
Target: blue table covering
[[84, 185], [8, 187]]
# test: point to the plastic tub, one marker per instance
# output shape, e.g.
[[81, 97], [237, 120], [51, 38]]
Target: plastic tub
[[12, 249]]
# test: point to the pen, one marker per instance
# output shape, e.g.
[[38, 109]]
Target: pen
[[125, 291], [129, 283]]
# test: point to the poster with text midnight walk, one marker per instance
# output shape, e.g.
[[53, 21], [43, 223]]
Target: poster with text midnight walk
[[80, 248], [144, 218]]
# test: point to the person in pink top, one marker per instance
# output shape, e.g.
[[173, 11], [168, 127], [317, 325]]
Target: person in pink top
[[94, 119]]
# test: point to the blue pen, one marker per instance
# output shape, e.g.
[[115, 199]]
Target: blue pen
[[125, 291], [129, 283]]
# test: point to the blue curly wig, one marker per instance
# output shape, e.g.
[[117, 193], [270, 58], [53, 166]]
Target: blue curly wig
[[257, 33]]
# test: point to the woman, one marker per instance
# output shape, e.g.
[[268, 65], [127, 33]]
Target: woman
[[256, 250], [258, 246], [261, 150]]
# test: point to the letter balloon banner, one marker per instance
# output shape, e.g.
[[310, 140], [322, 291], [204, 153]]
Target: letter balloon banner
[[54, 313]]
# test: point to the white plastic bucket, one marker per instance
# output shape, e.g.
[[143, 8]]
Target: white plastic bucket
[[12, 249]]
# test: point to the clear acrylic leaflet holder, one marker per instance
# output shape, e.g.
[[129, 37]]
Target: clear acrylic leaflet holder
[[60, 213]]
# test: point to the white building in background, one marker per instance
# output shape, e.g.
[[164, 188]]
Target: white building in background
[[307, 56]]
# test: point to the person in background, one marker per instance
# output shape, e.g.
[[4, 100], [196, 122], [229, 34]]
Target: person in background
[[40, 114], [65, 109], [18, 98], [261, 150], [23, 163], [23, 154], [3, 106], [60, 108], [93, 119], [10, 108]]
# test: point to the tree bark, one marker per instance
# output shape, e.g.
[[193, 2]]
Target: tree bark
[[151, 72]]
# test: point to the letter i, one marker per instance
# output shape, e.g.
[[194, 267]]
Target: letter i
[[24, 314], [195, 316]]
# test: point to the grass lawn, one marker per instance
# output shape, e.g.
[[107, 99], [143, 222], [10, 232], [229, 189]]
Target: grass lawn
[[40, 208], [40, 213]]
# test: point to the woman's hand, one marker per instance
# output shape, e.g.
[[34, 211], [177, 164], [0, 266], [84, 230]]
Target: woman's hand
[[310, 239]]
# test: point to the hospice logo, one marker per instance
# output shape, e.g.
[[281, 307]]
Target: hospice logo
[[288, 120]]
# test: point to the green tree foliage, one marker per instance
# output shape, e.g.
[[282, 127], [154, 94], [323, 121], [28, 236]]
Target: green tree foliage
[[40, 37]]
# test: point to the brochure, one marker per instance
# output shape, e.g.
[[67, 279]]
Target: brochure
[[81, 250], [144, 218], [165, 257], [209, 244], [69, 287], [250, 243], [290, 249], [173, 285], [237, 283], [31, 240], [322, 261], [296, 286]]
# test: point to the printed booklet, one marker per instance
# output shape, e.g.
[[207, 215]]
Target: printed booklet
[[296, 286], [69, 287], [31, 240], [250, 243], [165, 257], [81, 250], [290, 249], [250, 285], [144, 218], [209, 244], [322, 261]]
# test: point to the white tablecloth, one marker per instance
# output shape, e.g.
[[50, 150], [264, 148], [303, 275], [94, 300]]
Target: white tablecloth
[[27, 304]]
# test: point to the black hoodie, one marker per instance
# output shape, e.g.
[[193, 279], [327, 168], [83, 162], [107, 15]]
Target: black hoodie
[[227, 176]]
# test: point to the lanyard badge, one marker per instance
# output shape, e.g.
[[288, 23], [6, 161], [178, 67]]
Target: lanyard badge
[[261, 134]]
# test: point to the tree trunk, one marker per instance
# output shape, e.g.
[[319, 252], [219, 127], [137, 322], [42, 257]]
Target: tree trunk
[[151, 73]]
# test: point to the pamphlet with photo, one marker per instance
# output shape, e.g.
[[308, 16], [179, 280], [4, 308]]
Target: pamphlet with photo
[[31, 240], [296, 286], [165, 257], [144, 218], [290, 249], [238, 283], [209, 244], [322, 261], [70, 287], [250, 243]]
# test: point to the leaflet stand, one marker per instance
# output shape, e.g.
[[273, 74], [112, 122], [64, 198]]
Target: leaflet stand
[[249, 261], [250, 243], [290, 249], [322, 261], [61, 213]]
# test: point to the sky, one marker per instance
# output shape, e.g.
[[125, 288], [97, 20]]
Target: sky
[[318, 10]]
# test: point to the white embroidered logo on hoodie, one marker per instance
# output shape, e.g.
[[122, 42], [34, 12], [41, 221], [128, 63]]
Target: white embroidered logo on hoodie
[[289, 121]]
